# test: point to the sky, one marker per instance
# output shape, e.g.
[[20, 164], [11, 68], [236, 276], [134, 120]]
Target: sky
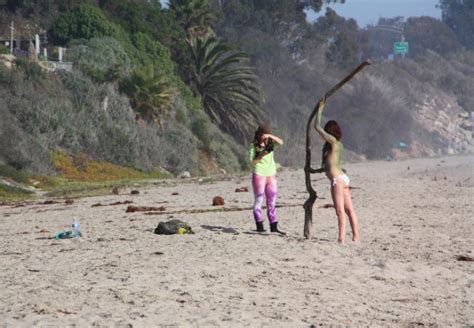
[[369, 11]]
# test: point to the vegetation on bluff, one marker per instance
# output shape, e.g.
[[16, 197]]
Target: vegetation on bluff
[[181, 88]]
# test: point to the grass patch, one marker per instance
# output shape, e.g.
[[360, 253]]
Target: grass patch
[[74, 189], [82, 168], [14, 193], [78, 176]]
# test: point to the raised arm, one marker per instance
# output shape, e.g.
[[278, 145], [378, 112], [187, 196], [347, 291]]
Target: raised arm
[[317, 124], [274, 138]]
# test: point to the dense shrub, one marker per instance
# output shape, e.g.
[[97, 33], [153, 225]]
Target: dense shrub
[[102, 58], [83, 22]]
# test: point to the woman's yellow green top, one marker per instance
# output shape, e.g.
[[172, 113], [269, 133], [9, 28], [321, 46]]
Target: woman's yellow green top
[[266, 167]]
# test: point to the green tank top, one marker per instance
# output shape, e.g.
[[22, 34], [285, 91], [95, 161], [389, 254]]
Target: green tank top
[[266, 167]]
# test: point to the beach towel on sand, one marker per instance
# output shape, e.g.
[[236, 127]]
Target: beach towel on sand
[[172, 227]]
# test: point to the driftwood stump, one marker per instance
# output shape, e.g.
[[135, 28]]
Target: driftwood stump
[[308, 204]]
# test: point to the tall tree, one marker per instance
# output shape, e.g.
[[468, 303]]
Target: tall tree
[[195, 16], [425, 33], [459, 15], [229, 89]]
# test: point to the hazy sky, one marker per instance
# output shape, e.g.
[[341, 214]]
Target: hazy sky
[[369, 11]]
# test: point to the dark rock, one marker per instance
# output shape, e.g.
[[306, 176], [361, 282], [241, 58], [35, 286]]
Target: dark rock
[[218, 201], [465, 258]]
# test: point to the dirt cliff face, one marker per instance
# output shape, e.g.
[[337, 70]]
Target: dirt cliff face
[[448, 124]]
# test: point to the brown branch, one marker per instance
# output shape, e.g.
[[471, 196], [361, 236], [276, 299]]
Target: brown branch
[[219, 209]]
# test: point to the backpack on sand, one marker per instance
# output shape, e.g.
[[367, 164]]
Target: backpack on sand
[[172, 227]]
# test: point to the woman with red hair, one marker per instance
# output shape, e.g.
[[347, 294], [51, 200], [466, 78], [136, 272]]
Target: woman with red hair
[[331, 162]]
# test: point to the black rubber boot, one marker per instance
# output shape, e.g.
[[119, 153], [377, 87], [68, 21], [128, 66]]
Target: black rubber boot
[[260, 227], [274, 228]]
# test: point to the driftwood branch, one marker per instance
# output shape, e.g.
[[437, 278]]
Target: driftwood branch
[[308, 170], [218, 209]]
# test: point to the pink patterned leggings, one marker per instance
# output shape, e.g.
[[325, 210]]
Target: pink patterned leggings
[[264, 187]]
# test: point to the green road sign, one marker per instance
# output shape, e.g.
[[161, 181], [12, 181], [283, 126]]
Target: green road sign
[[400, 48]]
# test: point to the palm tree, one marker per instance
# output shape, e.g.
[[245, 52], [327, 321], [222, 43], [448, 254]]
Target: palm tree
[[195, 16], [229, 89], [150, 94]]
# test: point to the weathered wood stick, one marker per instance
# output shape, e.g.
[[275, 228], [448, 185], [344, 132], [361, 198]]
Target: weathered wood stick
[[219, 209], [308, 205]]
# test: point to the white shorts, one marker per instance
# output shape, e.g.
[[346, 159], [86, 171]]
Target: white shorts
[[343, 178]]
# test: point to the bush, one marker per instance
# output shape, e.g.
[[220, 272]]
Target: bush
[[33, 72], [102, 58], [83, 22], [4, 50], [11, 172]]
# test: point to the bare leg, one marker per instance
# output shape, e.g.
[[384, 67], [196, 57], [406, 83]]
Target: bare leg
[[351, 214], [337, 193]]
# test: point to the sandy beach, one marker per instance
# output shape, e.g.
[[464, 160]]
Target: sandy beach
[[416, 217]]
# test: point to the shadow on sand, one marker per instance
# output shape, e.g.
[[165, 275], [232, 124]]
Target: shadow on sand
[[220, 229]]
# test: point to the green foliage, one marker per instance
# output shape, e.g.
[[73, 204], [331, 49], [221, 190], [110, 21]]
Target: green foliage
[[148, 51], [459, 15], [4, 50], [425, 33], [229, 89], [13, 193], [342, 36], [150, 93], [343, 51], [195, 16], [33, 72], [83, 22], [200, 128], [225, 156], [103, 59], [8, 171], [147, 18]]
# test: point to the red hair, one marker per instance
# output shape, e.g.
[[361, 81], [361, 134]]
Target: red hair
[[333, 128]]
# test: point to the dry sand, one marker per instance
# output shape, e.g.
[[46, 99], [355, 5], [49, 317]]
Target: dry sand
[[416, 217]]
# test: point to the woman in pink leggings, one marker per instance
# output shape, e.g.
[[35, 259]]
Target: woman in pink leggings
[[264, 180]]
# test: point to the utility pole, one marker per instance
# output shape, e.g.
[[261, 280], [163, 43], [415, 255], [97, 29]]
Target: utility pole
[[403, 40], [12, 28]]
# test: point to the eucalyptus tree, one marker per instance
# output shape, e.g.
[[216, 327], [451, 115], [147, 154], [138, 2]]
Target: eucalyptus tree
[[229, 88], [459, 15]]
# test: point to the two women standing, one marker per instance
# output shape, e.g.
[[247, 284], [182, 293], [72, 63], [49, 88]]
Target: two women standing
[[264, 179]]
